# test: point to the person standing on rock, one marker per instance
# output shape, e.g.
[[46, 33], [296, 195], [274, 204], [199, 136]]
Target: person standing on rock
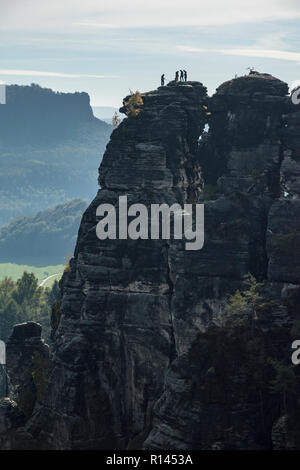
[[181, 75], [162, 80], [176, 76], [185, 75]]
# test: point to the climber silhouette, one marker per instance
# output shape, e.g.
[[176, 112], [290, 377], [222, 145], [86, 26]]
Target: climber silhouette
[[162, 80], [181, 75], [185, 75], [176, 76]]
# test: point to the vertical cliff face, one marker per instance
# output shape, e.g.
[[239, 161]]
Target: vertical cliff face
[[133, 364], [246, 135], [283, 233], [156, 153], [240, 158], [252, 225], [115, 337]]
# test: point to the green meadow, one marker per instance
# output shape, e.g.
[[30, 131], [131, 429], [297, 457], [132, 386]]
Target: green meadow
[[15, 271]]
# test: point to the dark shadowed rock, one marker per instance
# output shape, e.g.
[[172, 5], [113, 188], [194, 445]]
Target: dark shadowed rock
[[128, 367], [24, 331], [27, 363], [11, 418], [283, 241]]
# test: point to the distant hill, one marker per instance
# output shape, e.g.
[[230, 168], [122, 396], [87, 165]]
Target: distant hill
[[51, 145], [43, 239]]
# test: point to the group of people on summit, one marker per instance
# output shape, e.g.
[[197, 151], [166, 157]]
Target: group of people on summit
[[183, 76], [180, 75]]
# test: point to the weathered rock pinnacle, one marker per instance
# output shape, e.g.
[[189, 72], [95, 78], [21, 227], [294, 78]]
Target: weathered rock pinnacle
[[128, 368]]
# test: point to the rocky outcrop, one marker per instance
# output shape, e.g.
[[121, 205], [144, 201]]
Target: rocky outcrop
[[283, 233], [27, 362], [11, 419], [240, 161], [241, 158], [109, 372], [283, 241], [210, 399], [133, 356], [244, 146]]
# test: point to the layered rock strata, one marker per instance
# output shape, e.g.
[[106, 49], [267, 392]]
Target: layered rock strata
[[128, 365]]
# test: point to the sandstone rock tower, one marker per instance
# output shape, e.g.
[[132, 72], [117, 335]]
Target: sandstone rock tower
[[122, 374]]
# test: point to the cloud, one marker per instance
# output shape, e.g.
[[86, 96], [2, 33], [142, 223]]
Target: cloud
[[266, 54], [42, 15], [275, 40], [248, 52], [98, 25], [37, 73]]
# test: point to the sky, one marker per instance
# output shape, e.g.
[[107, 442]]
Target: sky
[[109, 48]]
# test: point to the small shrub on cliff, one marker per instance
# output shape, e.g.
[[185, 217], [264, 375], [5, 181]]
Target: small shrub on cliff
[[133, 104], [115, 120], [244, 307], [67, 262]]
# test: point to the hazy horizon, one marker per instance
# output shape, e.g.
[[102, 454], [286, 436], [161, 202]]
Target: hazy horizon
[[106, 50]]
